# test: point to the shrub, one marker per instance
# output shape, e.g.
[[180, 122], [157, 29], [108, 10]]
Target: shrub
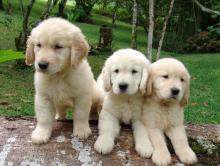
[[6, 20], [205, 41]]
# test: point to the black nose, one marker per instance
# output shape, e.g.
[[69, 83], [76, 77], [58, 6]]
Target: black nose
[[123, 86], [43, 65], [175, 91]]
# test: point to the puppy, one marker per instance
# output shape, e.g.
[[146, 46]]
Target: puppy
[[168, 92], [123, 80], [63, 77]]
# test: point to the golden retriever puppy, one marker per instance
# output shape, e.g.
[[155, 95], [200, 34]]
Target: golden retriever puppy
[[123, 80], [63, 77], [168, 92]]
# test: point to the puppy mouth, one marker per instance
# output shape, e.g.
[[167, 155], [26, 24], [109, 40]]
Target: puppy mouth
[[173, 97]]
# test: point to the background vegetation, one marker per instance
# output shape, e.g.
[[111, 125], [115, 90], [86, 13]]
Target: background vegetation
[[16, 81]]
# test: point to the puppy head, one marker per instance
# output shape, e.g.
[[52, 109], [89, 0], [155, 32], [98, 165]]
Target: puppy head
[[169, 81], [54, 45], [126, 72]]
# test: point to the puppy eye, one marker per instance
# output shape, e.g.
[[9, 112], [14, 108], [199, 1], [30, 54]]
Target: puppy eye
[[39, 45], [165, 76], [116, 71], [182, 80], [134, 71], [58, 47]]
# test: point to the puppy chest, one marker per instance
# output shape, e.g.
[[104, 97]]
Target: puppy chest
[[62, 95], [130, 112]]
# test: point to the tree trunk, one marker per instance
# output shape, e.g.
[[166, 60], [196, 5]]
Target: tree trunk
[[55, 3], [62, 5], [114, 17], [164, 29], [20, 42], [45, 14], [204, 9], [9, 8], [151, 29], [134, 26], [1, 5]]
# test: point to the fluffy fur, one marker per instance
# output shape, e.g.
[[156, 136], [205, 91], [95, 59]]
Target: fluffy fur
[[168, 92], [66, 80], [125, 67]]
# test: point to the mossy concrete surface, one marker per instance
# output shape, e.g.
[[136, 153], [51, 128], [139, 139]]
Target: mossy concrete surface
[[16, 147]]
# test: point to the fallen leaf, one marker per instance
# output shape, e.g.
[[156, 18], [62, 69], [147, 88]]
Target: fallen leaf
[[205, 104], [4, 103]]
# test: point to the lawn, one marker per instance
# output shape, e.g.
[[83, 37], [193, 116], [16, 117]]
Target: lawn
[[16, 83]]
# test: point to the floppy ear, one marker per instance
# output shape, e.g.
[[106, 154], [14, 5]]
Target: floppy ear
[[79, 49], [143, 82], [29, 60], [106, 77], [149, 90], [186, 94]]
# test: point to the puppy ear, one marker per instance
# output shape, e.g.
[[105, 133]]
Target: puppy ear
[[29, 56], [79, 49], [186, 95], [143, 82], [106, 77], [149, 90]]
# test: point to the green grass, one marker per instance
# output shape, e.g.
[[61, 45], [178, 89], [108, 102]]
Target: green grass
[[16, 84]]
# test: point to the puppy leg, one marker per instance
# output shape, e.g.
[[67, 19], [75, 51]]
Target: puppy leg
[[179, 140], [81, 116], [161, 155], [60, 113], [45, 116], [109, 128], [142, 143]]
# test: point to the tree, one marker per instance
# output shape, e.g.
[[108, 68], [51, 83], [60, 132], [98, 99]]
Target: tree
[[9, 8], [204, 9], [47, 10], [61, 8], [84, 8], [151, 29], [164, 29], [20, 42], [1, 5], [134, 26]]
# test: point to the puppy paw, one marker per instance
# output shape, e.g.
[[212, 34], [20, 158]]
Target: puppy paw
[[144, 149], [161, 158], [104, 145], [187, 156], [40, 136], [82, 131]]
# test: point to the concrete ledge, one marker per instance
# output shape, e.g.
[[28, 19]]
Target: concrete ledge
[[16, 147]]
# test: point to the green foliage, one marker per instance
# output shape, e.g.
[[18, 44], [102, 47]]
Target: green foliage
[[73, 16], [6, 20], [206, 41], [214, 31], [8, 55]]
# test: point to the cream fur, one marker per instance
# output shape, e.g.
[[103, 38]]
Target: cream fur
[[68, 80], [164, 114], [123, 106]]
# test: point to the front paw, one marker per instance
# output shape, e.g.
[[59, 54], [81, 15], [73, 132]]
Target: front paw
[[161, 158], [40, 136], [82, 131], [144, 149], [187, 156], [104, 144]]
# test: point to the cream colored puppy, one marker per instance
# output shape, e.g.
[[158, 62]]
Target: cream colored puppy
[[63, 77], [168, 92], [123, 80]]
